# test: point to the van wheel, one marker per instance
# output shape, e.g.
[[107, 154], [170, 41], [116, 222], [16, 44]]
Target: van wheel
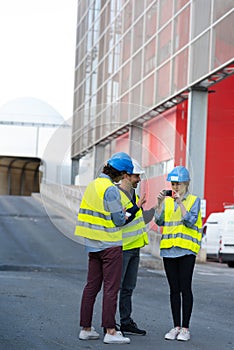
[[230, 263]]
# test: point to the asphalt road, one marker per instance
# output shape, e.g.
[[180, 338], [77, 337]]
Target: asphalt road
[[42, 273]]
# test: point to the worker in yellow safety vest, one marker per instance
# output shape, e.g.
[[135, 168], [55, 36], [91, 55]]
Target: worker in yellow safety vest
[[100, 220], [134, 237], [178, 211]]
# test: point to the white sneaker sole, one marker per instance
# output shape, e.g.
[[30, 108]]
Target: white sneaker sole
[[89, 338], [116, 342]]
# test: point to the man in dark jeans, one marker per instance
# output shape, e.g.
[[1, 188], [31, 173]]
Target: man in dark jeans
[[134, 237]]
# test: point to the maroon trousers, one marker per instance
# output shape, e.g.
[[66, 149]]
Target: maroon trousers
[[104, 267]]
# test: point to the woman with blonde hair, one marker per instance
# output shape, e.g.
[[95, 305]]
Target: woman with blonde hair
[[178, 212]]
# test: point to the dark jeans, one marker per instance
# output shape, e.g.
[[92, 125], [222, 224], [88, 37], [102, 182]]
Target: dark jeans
[[179, 272], [131, 260], [104, 267]]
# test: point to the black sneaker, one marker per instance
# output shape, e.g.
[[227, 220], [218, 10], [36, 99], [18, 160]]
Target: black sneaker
[[132, 328]]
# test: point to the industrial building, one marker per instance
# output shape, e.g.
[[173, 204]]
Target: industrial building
[[154, 78]]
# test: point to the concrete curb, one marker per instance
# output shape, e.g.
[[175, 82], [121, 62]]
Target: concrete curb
[[151, 262]]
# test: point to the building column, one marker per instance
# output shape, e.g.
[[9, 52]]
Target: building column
[[74, 170], [99, 159], [135, 135], [196, 139]]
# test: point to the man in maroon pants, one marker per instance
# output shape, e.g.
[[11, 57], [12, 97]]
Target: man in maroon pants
[[100, 219]]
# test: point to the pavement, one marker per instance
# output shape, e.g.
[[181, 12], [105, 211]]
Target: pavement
[[43, 273]]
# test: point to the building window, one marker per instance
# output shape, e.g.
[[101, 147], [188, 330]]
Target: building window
[[164, 46]]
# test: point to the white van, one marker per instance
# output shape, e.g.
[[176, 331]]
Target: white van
[[226, 250], [218, 237], [211, 235]]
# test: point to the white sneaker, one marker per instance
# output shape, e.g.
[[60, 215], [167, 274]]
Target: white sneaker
[[89, 335], [117, 338], [172, 334], [184, 334]]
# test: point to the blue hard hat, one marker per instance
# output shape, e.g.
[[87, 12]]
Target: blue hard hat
[[179, 174], [122, 162]]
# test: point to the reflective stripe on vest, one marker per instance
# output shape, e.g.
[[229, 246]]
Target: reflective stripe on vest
[[175, 233], [93, 221], [134, 234]]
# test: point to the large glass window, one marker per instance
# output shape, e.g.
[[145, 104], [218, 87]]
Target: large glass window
[[110, 62], [125, 77], [181, 31], [200, 50], [165, 14], [180, 71], [148, 91], [222, 7], [148, 2], [81, 9], [96, 31], [79, 75], [101, 70], [136, 68], [163, 82], [81, 94], [105, 70], [223, 44], [126, 46], [82, 50], [75, 100], [110, 36], [150, 57], [139, 7], [138, 35], [124, 109], [201, 19], [93, 101], [179, 4], [81, 72], [116, 57], [97, 6], [164, 44], [109, 92], [135, 97], [99, 97], [95, 57], [128, 11], [151, 21], [115, 89], [83, 27], [87, 89]]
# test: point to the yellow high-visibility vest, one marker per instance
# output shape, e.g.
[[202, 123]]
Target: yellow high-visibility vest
[[134, 233], [93, 221], [175, 233]]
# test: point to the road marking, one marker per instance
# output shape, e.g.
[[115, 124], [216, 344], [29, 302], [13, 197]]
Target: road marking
[[208, 273], [18, 277]]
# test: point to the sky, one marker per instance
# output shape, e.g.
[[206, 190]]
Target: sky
[[37, 51]]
